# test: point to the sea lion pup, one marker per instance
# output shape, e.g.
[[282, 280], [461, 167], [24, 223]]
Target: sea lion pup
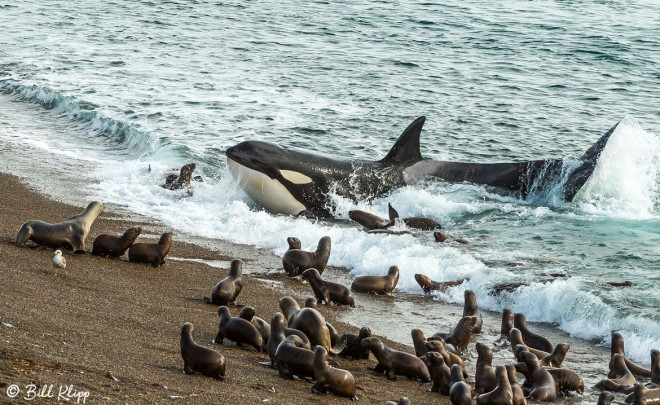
[[237, 330], [618, 347], [655, 366], [531, 339], [295, 261], [440, 373], [642, 395], [326, 290], [293, 359], [334, 336], [516, 389], [429, 285], [460, 336], [516, 339], [309, 321], [279, 332], [438, 345], [556, 358], [337, 381], [377, 284], [622, 379], [174, 182], [507, 323], [353, 344], [402, 401], [294, 243], [369, 221], [419, 342], [421, 223], [153, 253], [247, 313], [541, 382], [394, 362], [199, 358], [115, 246], [485, 379], [470, 308], [605, 398], [70, 233], [227, 290], [566, 380], [460, 392], [501, 394]]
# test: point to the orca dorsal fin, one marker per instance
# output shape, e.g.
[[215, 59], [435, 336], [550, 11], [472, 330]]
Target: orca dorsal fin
[[406, 148], [392, 212]]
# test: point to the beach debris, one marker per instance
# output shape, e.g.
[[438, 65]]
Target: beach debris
[[59, 261], [8, 325]]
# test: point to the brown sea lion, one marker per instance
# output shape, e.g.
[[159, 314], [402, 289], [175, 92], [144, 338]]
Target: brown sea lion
[[507, 323], [237, 330], [438, 345], [470, 308], [460, 336], [655, 366], [651, 396], [556, 358], [174, 182], [440, 373], [329, 379], [153, 253], [227, 290], [622, 379], [566, 380], [326, 290], [402, 401], [429, 285], [279, 332], [71, 233], [394, 362], [419, 342], [199, 358], [294, 243], [293, 359], [460, 392], [618, 347], [421, 223], [439, 236], [531, 339], [309, 321], [115, 246], [247, 313], [485, 379], [516, 339], [377, 284], [295, 261], [369, 221], [501, 394], [541, 382], [605, 398], [516, 389], [353, 344]]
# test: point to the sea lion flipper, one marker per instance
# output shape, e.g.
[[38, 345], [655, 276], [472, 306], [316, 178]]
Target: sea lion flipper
[[392, 212]]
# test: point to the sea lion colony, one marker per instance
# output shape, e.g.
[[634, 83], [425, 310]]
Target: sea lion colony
[[437, 360]]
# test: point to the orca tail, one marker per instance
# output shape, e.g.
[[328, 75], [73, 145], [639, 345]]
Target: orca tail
[[406, 148]]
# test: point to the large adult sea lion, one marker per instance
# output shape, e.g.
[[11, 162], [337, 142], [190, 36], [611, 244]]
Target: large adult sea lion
[[71, 233], [237, 330], [328, 378], [501, 394], [377, 284], [327, 290], [429, 285], [199, 358], [115, 246], [293, 359], [394, 362], [153, 253], [618, 347], [460, 336], [531, 339], [295, 261], [470, 308], [227, 290]]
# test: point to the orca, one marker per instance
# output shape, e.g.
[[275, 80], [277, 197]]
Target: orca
[[294, 181]]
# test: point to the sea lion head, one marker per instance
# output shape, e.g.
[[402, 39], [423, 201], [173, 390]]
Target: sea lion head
[[530, 360], [223, 313], [436, 345], [288, 306], [247, 313], [507, 322], [324, 245], [519, 320], [515, 337], [236, 269], [439, 236], [311, 302], [470, 300], [294, 243], [278, 323], [310, 274], [423, 282], [186, 331], [417, 334], [484, 352], [393, 272], [165, 239], [436, 359], [372, 343], [132, 233], [294, 340], [364, 333], [456, 374]]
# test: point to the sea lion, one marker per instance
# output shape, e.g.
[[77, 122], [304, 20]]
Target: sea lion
[[227, 290], [566, 380], [326, 290], [377, 284], [293, 359], [531, 339], [651, 396], [440, 373], [279, 332], [153, 253], [247, 313], [419, 342], [429, 285], [516, 389], [516, 339], [294, 243], [421, 223], [541, 382], [309, 321], [394, 362], [115, 246], [485, 379], [556, 358], [460, 336], [618, 347], [174, 182], [369, 221], [507, 323], [237, 330], [337, 381], [605, 398], [402, 401], [199, 358], [71, 233], [470, 308], [460, 392], [438, 345], [295, 261], [622, 379], [353, 344], [655, 366], [439, 236], [502, 393]]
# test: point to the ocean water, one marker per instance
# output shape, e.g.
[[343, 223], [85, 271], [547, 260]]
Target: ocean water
[[104, 91]]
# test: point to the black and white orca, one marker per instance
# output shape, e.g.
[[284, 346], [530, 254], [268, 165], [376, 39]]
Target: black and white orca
[[293, 181]]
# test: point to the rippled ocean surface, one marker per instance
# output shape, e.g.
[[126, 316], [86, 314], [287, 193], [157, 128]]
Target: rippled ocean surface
[[105, 90]]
